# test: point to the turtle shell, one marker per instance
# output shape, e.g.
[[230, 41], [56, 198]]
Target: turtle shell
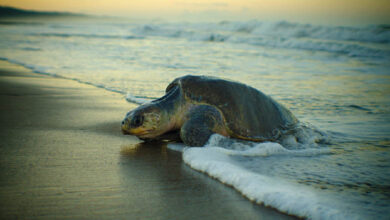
[[248, 113]]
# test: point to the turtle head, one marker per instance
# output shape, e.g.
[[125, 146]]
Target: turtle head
[[148, 121]]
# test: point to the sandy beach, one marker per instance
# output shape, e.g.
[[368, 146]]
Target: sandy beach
[[63, 156]]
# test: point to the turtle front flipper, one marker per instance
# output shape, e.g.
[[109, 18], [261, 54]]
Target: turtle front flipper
[[202, 122]]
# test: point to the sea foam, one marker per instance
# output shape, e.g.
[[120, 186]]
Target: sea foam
[[216, 159], [136, 100]]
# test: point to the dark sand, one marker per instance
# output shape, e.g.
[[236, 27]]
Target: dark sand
[[62, 155]]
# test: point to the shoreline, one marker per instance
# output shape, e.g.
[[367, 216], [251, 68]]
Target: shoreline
[[63, 156]]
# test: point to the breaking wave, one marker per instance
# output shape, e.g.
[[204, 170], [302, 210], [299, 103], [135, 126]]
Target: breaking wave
[[351, 41]]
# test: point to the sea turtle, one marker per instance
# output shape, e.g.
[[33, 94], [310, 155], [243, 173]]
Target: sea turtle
[[195, 107]]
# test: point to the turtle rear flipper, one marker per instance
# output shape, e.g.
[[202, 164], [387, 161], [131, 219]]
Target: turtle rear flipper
[[202, 122]]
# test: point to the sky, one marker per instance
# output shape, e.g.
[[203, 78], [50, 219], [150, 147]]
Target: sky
[[355, 12]]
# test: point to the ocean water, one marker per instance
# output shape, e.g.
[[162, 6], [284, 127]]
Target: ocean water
[[335, 79]]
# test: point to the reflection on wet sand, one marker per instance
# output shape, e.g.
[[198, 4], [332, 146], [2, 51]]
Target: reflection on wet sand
[[155, 178]]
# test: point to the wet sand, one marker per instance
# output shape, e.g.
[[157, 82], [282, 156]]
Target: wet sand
[[62, 155]]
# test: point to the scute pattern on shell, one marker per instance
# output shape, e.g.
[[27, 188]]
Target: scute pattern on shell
[[248, 113]]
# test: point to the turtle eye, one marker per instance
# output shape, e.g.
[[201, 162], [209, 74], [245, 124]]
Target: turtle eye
[[137, 121]]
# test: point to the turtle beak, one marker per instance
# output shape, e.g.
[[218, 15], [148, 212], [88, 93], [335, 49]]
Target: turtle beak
[[137, 131]]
